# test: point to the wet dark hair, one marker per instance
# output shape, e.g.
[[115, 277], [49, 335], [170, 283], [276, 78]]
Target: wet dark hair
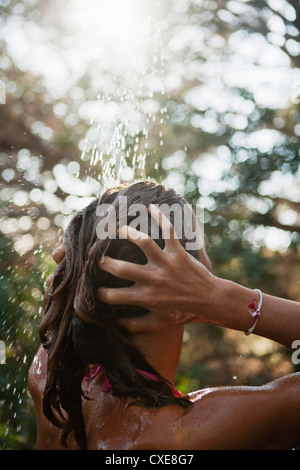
[[79, 330]]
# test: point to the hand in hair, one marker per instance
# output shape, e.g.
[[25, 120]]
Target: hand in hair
[[175, 288], [165, 285], [58, 255]]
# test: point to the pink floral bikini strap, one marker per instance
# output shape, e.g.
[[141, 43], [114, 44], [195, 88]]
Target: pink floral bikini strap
[[93, 372], [148, 374], [175, 392]]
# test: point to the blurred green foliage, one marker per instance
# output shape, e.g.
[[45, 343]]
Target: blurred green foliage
[[238, 209], [21, 292]]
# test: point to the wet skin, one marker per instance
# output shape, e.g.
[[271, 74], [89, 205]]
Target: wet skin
[[264, 417], [220, 418]]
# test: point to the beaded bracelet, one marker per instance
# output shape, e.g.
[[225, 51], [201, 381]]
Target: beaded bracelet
[[255, 311]]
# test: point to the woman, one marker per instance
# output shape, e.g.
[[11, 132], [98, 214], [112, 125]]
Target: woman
[[106, 371]]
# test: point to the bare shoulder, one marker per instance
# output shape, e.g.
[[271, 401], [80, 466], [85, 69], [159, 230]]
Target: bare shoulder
[[37, 375], [266, 417], [243, 418], [48, 436]]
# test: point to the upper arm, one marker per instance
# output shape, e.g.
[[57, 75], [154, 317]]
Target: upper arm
[[231, 418], [266, 417]]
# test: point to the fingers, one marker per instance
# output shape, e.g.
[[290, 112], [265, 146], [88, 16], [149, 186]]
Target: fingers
[[119, 296], [145, 242], [154, 322], [123, 269], [142, 240], [168, 230], [145, 324], [49, 280], [58, 254]]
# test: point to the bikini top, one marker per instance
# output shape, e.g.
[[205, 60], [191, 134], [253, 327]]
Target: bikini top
[[94, 371]]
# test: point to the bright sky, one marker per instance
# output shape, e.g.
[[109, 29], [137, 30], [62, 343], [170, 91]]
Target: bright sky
[[106, 38]]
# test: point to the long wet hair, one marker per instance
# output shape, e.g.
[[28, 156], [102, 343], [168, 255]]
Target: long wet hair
[[78, 330]]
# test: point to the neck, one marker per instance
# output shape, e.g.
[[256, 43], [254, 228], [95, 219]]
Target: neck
[[162, 349]]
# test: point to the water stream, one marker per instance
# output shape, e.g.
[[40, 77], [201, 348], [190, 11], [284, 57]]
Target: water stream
[[115, 149], [116, 145]]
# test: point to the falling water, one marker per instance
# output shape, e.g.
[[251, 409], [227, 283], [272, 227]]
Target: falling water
[[117, 141], [115, 149]]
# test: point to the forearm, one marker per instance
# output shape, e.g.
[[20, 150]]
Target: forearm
[[175, 287], [279, 319]]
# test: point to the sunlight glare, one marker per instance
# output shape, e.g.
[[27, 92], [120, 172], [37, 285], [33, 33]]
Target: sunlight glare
[[107, 31], [112, 18]]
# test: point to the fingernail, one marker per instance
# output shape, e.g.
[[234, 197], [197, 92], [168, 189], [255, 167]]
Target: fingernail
[[123, 232]]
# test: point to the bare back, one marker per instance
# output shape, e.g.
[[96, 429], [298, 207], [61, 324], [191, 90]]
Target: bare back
[[109, 422], [220, 418]]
